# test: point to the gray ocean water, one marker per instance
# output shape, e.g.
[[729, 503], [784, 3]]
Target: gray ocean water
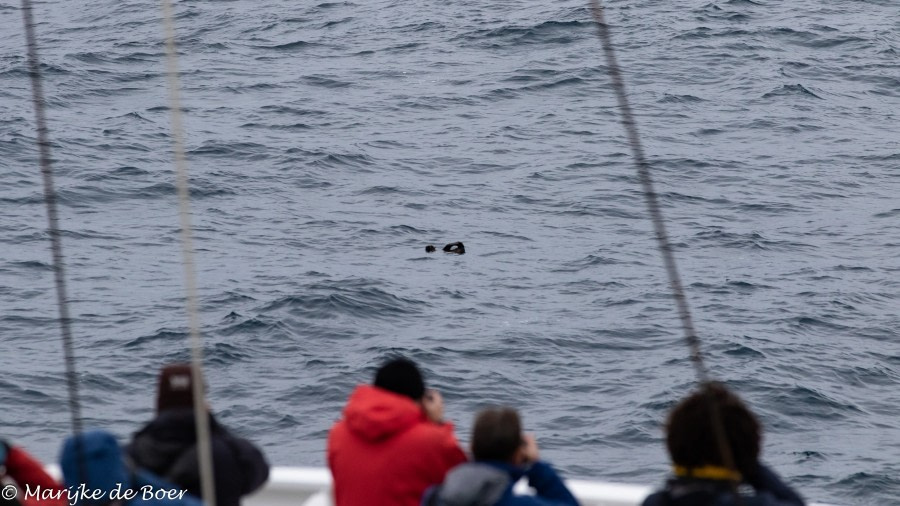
[[329, 142]]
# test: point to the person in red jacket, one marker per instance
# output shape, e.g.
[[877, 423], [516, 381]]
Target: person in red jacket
[[392, 442], [29, 476]]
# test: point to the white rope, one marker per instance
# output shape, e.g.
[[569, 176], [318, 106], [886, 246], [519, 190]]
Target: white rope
[[204, 445]]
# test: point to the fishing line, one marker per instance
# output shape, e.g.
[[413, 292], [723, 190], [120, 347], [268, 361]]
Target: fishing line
[[50, 200], [204, 446], [662, 237]]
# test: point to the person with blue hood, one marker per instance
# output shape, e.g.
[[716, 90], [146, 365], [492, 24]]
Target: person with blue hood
[[97, 473], [502, 454]]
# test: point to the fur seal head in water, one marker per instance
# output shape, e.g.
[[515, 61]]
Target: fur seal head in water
[[430, 248]]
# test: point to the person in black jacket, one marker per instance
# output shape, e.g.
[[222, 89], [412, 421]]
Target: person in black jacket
[[167, 446], [706, 474]]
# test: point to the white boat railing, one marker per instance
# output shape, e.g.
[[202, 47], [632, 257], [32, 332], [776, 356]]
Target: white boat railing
[[311, 486]]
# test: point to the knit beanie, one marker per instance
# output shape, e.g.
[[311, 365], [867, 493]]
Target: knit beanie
[[176, 388]]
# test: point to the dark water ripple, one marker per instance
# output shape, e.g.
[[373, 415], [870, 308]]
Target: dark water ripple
[[329, 142]]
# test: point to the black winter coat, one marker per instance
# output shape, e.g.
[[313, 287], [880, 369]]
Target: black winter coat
[[167, 446], [767, 490]]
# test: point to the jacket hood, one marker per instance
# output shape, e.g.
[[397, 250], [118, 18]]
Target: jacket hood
[[474, 484], [375, 414], [94, 459]]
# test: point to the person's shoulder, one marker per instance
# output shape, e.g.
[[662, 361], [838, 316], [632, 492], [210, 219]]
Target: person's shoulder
[[172, 424], [25, 469], [511, 499], [338, 432], [239, 459], [768, 499], [437, 440], [654, 499], [238, 447], [428, 431]]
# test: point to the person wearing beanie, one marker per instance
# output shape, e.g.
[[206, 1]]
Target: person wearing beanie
[[392, 442], [706, 474], [503, 455], [167, 446]]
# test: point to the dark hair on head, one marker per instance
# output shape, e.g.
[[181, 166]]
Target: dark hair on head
[[691, 437], [497, 434], [401, 376]]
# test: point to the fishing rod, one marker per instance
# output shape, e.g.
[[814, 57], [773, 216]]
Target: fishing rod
[[650, 196], [50, 202], [662, 238]]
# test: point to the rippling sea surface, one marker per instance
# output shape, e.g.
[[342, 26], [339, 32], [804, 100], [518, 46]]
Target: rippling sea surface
[[330, 142]]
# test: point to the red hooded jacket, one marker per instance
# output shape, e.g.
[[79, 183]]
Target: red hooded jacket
[[385, 451], [29, 473]]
